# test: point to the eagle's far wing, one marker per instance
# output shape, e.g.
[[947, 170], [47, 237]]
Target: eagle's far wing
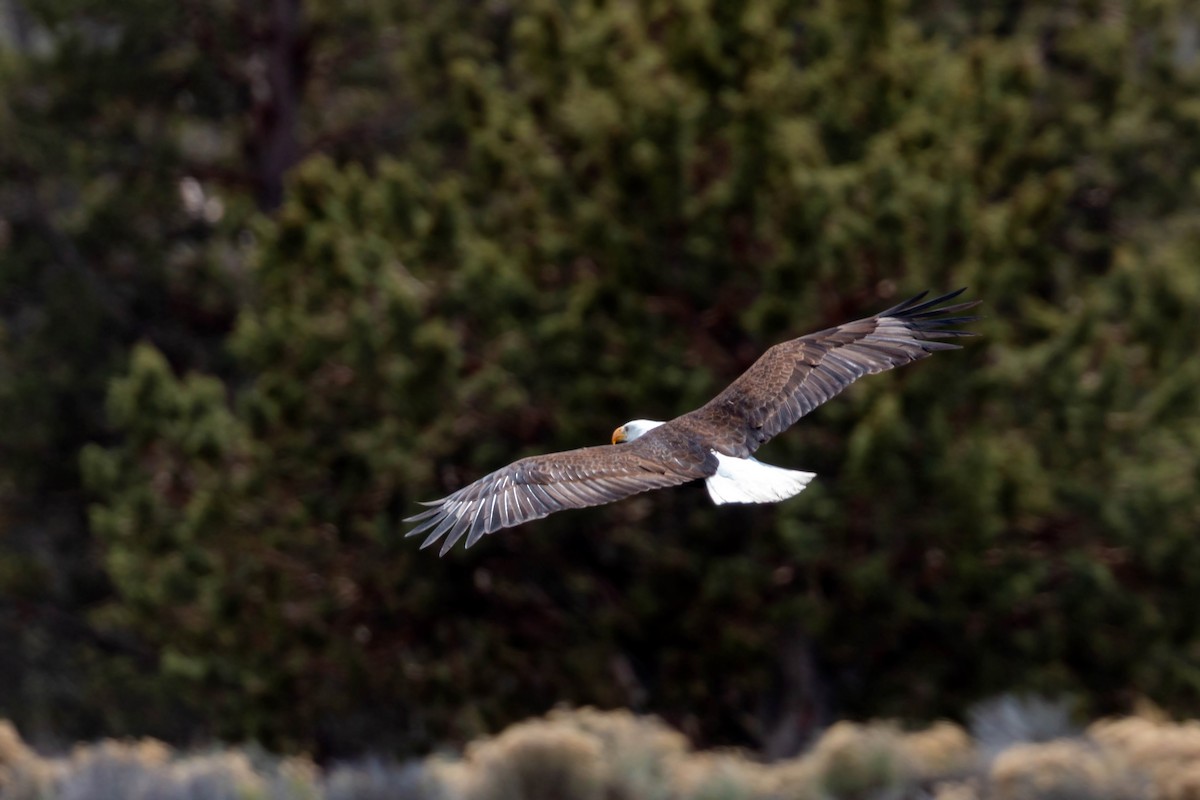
[[534, 487], [792, 378]]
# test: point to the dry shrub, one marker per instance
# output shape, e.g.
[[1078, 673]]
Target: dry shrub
[[31, 780], [24, 775], [601, 755], [1182, 784], [942, 750], [150, 770], [213, 776], [1167, 753], [638, 752], [1067, 769], [621, 729], [12, 749], [372, 779], [722, 776], [295, 778], [538, 760], [1148, 744], [113, 769], [957, 790], [859, 760], [850, 760], [449, 779], [796, 779]]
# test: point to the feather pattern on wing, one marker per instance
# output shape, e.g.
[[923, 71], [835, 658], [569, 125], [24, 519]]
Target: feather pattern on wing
[[534, 487], [792, 378]]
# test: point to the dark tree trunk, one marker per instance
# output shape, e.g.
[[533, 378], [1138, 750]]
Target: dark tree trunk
[[276, 89]]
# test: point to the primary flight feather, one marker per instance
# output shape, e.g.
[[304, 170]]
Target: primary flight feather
[[715, 442]]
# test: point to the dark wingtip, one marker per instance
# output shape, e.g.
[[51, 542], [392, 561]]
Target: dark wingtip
[[916, 298], [914, 306], [930, 317]]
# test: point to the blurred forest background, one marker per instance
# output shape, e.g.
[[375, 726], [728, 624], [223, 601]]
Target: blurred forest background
[[270, 273]]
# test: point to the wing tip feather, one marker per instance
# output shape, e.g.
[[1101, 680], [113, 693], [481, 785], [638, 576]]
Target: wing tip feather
[[422, 515], [927, 320], [914, 306]]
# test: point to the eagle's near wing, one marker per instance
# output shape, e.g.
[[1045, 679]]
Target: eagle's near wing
[[534, 487], [792, 378]]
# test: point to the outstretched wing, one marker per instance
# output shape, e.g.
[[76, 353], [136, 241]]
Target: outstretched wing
[[793, 378], [534, 487]]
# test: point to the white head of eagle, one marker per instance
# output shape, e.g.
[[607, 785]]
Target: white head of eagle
[[634, 429]]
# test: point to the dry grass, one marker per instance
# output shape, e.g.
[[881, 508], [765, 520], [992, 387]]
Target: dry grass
[[614, 755], [1064, 770], [1166, 753]]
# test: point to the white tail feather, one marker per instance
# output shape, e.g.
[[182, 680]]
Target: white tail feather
[[748, 480]]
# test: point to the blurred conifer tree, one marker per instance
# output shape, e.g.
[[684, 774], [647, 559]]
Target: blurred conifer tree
[[136, 139], [607, 210]]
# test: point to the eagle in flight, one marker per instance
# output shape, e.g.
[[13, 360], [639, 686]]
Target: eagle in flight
[[715, 442]]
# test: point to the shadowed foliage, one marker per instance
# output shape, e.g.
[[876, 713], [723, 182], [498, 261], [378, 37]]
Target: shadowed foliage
[[515, 226]]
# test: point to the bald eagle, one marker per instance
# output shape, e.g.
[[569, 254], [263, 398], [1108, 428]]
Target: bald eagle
[[715, 442]]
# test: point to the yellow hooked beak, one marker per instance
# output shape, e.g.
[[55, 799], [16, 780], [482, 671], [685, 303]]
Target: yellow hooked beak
[[619, 435]]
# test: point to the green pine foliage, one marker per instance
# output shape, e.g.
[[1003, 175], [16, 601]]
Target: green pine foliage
[[607, 210], [130, 136], [97, 252]]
